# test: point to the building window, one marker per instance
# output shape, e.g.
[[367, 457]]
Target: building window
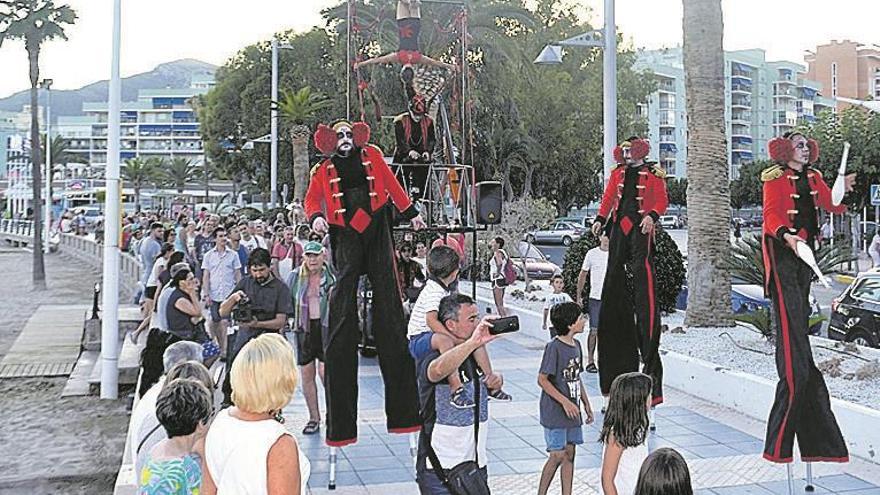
[[834, 79]]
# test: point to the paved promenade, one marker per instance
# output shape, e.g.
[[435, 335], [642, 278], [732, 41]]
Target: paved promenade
[[722, 447]]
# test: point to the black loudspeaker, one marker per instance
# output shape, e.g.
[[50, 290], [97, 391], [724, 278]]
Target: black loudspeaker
[[489, 203]]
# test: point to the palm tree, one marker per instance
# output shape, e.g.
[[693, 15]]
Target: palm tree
[[299, 107], [137, 173], [61, 156], [179, 172], [508, 147], [708, 193], [35, 22]]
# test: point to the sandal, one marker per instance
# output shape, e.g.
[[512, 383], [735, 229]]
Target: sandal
[[312, 427], [591, 368]]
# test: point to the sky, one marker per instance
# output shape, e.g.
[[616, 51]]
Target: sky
[[157, 31]]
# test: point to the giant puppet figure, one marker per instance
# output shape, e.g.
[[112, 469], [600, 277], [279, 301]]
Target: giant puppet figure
[[793, 192], [415, 140], [629, 323], [349, 196]]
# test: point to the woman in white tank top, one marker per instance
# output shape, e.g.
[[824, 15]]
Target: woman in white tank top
[[248, 451]]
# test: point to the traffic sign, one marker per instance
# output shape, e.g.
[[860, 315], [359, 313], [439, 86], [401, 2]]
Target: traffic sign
[[875, 194]]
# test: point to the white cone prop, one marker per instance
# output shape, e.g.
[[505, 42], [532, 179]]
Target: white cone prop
[[806, 254], [839, 189]]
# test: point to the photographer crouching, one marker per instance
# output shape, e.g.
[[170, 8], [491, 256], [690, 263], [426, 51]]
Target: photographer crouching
[[259, 304]]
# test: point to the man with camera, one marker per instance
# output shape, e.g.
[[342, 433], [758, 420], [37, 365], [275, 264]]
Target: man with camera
[[259, 304], [452, 445]]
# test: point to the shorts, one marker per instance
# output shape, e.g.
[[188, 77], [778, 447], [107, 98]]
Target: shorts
[[558, 438], [595, 306], [420, 345], [499, 283], [215, 313], [150, 292], [309, 344]]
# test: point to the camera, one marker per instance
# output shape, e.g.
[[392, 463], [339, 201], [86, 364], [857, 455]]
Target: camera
[[244, 310]]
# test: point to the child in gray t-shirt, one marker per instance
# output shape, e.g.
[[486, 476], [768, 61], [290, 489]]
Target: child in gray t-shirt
[[561, 393]]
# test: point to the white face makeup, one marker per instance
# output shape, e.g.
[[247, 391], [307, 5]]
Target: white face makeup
[[344, 140], [801, 153]]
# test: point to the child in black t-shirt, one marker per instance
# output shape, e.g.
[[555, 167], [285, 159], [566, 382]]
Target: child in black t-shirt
[[561, 392]]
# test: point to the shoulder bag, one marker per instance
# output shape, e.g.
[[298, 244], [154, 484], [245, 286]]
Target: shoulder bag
[[464, 478]]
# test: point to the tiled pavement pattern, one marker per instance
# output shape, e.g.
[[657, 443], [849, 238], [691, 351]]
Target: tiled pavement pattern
[[723, 448]]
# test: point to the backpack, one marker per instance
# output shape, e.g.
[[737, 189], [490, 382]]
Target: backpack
[[509, 272]]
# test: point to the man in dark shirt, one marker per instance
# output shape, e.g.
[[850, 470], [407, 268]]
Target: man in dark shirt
[[269, 301]]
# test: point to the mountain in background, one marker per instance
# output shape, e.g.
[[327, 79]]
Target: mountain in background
[[66, 103]]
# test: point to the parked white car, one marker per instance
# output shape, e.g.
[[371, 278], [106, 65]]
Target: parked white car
[[670, 222], [557, 232]]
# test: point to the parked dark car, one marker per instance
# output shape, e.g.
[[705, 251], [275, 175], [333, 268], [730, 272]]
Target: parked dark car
[[537, 264], [855, 314]]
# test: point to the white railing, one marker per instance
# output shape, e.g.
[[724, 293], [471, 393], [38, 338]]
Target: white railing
[[21, 228]]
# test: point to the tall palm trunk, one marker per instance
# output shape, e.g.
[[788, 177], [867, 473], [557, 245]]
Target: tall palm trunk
[[708, 195], [299, 136], [39, 269]]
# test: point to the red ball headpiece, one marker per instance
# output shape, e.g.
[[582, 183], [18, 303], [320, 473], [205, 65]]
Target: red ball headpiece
[[781, 149], [638, 149], [326, 140]]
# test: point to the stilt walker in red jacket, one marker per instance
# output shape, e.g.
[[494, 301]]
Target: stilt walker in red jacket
[[349, 196], [793, 192], [629, 323]]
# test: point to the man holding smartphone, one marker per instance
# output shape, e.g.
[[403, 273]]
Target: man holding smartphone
[[447, 432]]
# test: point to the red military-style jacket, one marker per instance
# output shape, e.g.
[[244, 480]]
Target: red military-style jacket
[[780, 193], [650, 191], [324, 196]]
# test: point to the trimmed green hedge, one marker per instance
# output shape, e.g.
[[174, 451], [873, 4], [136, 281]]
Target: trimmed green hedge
[[668, 262]]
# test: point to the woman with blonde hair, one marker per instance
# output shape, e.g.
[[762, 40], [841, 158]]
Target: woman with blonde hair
[[248, 450]]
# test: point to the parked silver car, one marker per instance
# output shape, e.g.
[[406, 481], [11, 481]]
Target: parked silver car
[[557, 232]]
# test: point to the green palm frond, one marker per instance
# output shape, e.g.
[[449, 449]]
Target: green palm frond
[[746, 260], [302, 105]]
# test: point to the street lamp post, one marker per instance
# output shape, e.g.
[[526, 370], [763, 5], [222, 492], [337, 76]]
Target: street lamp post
[[273, 178], [47, 215], [110, 316], [606, 39]]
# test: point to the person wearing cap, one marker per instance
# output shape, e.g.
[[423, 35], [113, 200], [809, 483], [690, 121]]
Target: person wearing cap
[[310, 284]]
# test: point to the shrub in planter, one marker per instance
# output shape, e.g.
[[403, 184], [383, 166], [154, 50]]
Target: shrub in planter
[[668, 263]]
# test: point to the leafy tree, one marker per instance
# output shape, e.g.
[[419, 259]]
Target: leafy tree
[[747, 189], [708, 192], [539, 128], [299, 108], [35, 22], [676, 189], [179, 172], [138, 173]]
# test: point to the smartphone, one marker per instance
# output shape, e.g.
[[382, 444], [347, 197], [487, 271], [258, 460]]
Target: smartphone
[[505, 325]]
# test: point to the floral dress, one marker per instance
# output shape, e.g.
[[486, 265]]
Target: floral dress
[[180, 476]]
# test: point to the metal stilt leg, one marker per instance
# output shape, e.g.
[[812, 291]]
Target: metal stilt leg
[[414, 447], [809, 487], [790, 481], [331, 484]]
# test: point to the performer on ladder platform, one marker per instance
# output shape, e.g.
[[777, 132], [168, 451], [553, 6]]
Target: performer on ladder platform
[[415, 140], [629, 324], [348, 195], [793, 192], [409, 28]]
